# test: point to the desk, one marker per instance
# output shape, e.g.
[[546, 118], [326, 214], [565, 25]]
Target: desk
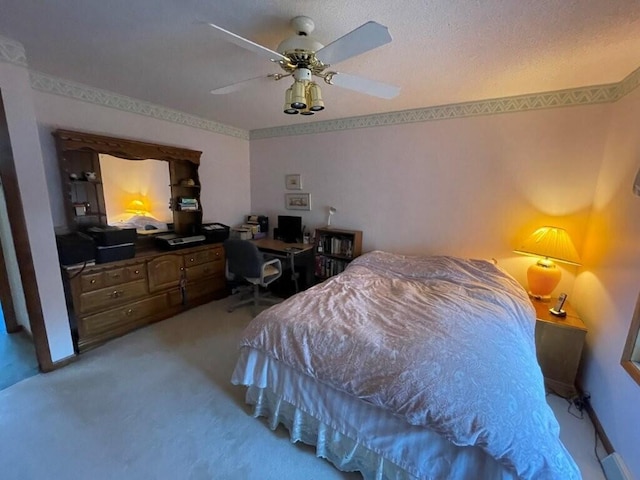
[[290, 251]]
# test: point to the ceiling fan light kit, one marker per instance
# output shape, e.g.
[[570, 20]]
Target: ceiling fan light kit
[[303, 57]]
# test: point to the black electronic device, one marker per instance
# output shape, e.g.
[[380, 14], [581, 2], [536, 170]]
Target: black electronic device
[[215, 232], [113, 253], [173, 240], [108, 236], [75, 248], [557, 308], [289, 228]]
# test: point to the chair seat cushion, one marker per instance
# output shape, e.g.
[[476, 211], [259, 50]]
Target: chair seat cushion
[[270, 270]]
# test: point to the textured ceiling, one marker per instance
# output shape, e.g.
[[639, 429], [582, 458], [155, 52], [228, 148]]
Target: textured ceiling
[[443, 51]]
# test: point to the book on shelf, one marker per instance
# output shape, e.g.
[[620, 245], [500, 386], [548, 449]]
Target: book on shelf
[[188, 204], [336, 246]]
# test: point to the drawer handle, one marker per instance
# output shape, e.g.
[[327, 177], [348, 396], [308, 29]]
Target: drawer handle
[[217, 254], [93, 280], [129, 312], [191, 259], [116, 293], [137, 272]]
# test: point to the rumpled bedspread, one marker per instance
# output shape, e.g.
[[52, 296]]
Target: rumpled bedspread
[[444, 342]]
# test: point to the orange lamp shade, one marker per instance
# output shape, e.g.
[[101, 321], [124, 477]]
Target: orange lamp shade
[[552, 243]]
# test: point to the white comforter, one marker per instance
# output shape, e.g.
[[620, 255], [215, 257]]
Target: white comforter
[[444, 342]]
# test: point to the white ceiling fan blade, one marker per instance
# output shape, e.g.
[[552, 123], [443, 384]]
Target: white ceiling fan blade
[[365, 85], [248, 44], [236, 86], [364, 38]]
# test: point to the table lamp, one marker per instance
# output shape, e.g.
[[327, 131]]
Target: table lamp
[[332, 212], [551, 243]]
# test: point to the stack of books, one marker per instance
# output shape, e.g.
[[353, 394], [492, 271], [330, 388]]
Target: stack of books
[[188, 204]]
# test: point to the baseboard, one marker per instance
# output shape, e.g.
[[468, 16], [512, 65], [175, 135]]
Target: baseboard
[[606, 443], [614, 468]]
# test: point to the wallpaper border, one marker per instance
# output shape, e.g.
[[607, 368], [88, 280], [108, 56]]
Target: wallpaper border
[[49, 84], [520, 103], [13, 52]]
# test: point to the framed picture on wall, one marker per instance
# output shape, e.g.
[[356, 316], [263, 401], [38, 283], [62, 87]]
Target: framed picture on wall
[[293, 181], [297, 201]]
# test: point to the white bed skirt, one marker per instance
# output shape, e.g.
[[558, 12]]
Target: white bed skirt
[[346, 454], [352, 434]]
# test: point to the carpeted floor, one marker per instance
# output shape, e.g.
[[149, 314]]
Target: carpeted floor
[[158, 404]]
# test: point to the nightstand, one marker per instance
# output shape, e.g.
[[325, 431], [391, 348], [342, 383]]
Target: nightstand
[[559, 342]]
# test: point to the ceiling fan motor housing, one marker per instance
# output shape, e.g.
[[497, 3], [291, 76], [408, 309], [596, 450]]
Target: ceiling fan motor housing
[[302, 75]]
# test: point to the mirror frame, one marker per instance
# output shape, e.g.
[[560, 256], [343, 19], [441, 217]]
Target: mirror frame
[[73, 141]]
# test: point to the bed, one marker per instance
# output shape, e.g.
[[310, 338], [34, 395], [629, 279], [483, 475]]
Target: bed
[[407, 367]]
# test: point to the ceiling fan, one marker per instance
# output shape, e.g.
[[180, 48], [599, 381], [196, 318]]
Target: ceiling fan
[[303, 57]]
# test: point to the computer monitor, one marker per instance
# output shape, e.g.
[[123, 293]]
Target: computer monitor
[[289, 228]]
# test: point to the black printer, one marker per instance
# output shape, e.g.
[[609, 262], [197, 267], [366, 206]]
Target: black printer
[[113, 243]]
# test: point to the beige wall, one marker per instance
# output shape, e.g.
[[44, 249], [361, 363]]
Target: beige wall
[[607, 287], [469, 187]]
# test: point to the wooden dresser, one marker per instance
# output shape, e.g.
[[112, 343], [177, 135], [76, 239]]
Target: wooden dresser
[[108, 300], [559, 343]]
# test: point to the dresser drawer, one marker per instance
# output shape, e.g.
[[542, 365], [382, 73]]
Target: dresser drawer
[[115, 276], [112, 296], [213, 287], [215, 254], [204, 270], [122, 318]]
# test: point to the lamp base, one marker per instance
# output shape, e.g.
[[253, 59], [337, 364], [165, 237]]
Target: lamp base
[[543, 277], [540, 298]]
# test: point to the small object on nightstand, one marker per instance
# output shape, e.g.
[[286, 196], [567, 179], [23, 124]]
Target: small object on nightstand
[[557, 309]]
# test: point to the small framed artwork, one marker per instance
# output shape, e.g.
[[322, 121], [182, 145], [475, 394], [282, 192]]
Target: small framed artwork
[[293, 181], [297, 201]]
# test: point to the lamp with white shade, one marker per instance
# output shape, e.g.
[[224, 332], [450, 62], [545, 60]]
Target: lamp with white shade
[[553, 244], [332, 212]]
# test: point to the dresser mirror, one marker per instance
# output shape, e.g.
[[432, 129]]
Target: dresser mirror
[[124, 182]]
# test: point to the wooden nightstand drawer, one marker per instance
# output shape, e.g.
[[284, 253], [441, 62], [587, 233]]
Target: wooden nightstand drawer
[[559, 343], [112, 296]]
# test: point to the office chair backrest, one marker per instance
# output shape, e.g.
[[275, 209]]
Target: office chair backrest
[[243, 258]]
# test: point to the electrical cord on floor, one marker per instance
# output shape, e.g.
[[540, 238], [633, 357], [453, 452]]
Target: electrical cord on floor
[[580, 402]]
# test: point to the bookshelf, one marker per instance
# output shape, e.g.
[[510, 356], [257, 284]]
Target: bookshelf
[[334, 249]]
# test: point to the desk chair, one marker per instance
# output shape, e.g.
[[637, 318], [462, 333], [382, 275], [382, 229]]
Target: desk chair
[[246, 262]]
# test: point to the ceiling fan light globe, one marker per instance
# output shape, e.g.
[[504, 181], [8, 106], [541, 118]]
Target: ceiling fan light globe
[[288, 109], [315, 98], [298, 96]]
